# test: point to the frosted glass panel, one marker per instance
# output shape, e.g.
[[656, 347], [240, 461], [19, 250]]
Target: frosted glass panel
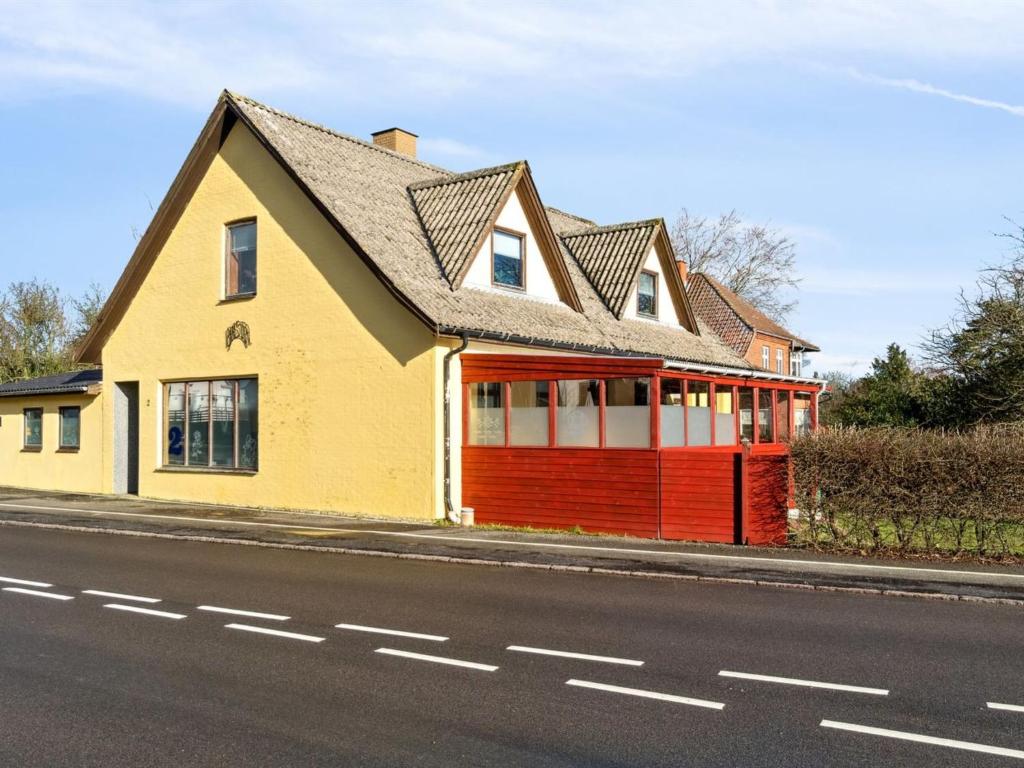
[[698, 413], [628, 413], [529, 413], [487, 413], [725, 429], [672, 426], [578, 423]]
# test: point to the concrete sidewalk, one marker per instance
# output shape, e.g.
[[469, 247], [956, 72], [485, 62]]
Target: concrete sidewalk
[[790, 568]]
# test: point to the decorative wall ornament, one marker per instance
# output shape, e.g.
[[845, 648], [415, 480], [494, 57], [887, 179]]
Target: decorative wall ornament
[[237, 330]]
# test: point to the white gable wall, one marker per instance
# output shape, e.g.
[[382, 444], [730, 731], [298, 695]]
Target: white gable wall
[[666, 309], [539, 284]]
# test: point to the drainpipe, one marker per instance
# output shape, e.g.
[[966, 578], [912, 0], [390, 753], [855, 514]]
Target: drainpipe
[[450, 512]]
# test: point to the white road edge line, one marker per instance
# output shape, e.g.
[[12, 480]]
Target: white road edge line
[[119, 596], [514, 543], [276, 633], [250, 614], [1006, 707], [36, 593], [921, 739], [571, 655], [647, 694], [804, 683], [24, 583], [395, 632], [145, 611], [438, 659]]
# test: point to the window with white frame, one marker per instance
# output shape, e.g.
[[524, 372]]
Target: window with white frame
[[765, 359], [796, 364], [647, 294], [508, 270], [779, 360]]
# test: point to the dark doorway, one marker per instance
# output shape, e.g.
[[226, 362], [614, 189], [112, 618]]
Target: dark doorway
[[126, 437]]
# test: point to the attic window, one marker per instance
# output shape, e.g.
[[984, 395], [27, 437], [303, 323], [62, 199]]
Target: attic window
[[508, 270], [241, 260], [647, 294]]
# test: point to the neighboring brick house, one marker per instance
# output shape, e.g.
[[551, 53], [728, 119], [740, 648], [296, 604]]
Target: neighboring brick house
[[752, 334]]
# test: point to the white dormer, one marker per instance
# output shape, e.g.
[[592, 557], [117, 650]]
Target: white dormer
[[510, 259], [652, 285]]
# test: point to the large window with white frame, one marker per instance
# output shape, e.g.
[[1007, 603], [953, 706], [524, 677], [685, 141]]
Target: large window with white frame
[[212, 424]]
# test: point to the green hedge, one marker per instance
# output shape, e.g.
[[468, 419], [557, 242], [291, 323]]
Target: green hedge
[[912, 491]]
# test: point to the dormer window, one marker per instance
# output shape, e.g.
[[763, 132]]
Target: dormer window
[[647, 294], [241, 260], [508, 269]]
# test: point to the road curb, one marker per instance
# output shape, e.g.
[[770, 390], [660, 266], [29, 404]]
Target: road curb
[[653, 575]]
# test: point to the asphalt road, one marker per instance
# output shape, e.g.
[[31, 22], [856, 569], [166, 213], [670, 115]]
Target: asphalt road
[[82, 684]]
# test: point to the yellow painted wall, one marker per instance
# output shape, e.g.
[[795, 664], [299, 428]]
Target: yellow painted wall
[[348, 378], [50, 468]]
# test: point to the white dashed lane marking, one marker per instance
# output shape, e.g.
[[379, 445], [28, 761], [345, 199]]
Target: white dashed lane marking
[[24, 583], [969, 746], [250, 614], [804, 683], [395, 632], [145, 611], [438, 659], [572, 655], [119, 596], [275, 633], [35, 593], [647, 694]]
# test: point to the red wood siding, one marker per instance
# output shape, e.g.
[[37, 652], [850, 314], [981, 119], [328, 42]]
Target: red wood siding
[[698, 495], [600, 490], [480, 367], [766, 519]]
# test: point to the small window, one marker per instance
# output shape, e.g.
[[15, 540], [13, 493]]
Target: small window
[[647, 294], [765, 359], [795, 365], [241, 260], [70, 427], [765, 416], [507, 265], [33, 428], [486, 413], [778, 361], [746, 405]]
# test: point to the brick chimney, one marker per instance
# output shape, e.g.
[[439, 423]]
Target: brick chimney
[[397, 140], [681, 265]]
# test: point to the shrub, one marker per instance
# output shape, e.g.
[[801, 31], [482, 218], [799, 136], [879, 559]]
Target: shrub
[[906, 490]]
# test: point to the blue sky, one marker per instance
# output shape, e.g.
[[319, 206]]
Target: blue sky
[[887, 139]]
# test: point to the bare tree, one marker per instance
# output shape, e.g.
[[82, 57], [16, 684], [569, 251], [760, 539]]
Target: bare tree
[[756, 261]]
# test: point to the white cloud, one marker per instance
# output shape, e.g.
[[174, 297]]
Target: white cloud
[[186, 51], [909, 84]]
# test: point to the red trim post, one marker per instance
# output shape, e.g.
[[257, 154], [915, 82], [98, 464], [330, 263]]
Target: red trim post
[[775, 416], [814, 411]]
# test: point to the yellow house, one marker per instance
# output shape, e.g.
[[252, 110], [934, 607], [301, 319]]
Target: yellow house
[[290, 330]]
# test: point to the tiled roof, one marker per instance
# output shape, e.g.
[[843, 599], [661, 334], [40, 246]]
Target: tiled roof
[[611, 257], [732, 317], [74, 382], [457, 212], [367, 192]]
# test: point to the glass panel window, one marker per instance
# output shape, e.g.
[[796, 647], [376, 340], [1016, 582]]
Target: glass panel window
[[487, 413], [241, 259], [529, 413], [175, 431], [778, 361], [765, 352], [746, 414], [802, 412], [70, 426], [199, 423], [222, 397], [33, 427], [647, 294], [508, 259], [766, 432], [627, 420], [725, 417], [672, 413], [698, 413], [248, 423], [578, 413], [782, 400], [796, 364]]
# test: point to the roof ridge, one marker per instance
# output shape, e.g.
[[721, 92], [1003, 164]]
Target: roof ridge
[[479, 173], [552, 209], [331, 132], [598, 230]]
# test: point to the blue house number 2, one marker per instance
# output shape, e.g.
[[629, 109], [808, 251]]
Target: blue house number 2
[[174, 442]]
